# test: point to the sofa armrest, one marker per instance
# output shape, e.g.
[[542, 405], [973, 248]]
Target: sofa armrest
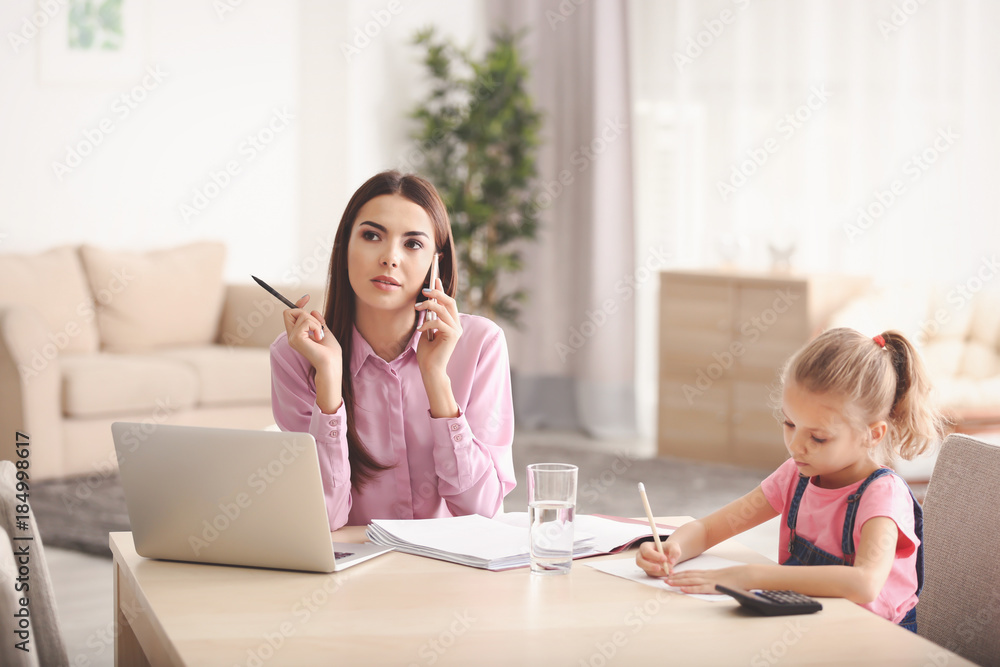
[[30, 386], [252, 318]]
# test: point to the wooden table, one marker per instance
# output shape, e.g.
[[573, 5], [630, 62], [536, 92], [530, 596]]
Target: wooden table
[[399, 609]]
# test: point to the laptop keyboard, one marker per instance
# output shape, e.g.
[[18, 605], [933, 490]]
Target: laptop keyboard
[[342, 554]]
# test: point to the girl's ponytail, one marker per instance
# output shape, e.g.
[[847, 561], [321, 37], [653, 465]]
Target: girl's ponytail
[[882, 378], [915, 425]]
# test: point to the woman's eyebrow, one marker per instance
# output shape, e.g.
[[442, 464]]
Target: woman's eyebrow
[[382, 229]]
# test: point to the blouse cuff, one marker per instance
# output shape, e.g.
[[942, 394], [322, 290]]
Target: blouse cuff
[[454, 450], [330, 432]]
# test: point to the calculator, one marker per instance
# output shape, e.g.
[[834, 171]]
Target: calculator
[[773, 603]]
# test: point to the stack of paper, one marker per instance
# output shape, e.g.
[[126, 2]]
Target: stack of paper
[[497, 544]]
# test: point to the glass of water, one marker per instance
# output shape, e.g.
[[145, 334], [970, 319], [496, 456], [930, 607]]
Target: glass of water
[[551, 503]]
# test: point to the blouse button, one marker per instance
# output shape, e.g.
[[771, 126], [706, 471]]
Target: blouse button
[[455, 427], [458, 438], [333, 433]]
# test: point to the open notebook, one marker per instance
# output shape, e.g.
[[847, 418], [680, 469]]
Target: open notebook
[[501, 543]]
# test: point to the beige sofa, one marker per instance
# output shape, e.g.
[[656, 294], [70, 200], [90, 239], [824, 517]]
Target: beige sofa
[[956, 327], [91, 336]]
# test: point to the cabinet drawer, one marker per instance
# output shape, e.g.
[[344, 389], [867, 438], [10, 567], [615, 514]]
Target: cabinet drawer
[[758, 440], [696, 306], [696, 320], [694, 423], [772, 313]]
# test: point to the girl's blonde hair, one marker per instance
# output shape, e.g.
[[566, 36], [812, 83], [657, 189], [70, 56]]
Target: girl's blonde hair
[[878, 383]]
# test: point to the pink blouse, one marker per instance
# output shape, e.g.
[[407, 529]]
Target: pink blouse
[[441, 467]]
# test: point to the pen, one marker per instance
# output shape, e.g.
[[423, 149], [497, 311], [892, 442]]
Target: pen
[[652, 523], [435, 270], [280, 298]]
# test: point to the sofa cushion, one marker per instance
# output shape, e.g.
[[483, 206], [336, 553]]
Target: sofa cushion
[[962, 393], [226, 374], [54, 284], [115, 384], [156, 299]]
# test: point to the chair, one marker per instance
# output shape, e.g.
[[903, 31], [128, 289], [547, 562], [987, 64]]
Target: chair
[[46, 646], [959, 608]]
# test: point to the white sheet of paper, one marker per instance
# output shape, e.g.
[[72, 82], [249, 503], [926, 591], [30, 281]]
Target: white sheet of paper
[[627, 569]]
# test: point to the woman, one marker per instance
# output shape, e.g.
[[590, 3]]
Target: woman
[[406, 428]]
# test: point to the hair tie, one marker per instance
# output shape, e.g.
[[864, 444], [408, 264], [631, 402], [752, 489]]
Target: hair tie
[[879, 340]]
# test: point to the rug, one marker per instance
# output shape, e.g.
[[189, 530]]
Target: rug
[[78, 512]]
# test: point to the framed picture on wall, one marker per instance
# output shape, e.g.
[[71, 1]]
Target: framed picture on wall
[[94, 41]]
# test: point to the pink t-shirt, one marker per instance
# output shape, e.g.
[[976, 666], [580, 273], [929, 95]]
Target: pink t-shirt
[[442, 467], [821, 521]]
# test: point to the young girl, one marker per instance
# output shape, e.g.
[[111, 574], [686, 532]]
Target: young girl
[[406, 427], [849, 403]]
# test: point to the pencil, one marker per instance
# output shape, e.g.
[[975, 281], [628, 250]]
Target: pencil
[[652, 522], [274, 292], [288, 303]]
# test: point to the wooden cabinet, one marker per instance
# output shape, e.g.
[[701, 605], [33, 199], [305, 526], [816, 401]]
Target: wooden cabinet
[[723, 340]]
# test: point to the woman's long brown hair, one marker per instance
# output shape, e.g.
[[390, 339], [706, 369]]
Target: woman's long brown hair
[[340, 302]]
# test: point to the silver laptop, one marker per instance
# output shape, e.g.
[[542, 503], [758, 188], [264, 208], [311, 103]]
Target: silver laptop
[[229, 497]]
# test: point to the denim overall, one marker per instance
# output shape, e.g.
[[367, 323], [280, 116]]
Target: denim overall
[[804, 552]]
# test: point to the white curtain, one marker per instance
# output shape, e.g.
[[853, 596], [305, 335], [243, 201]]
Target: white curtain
[[574, 361], [862, 134]]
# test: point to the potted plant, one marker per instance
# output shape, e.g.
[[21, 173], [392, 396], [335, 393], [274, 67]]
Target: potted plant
[[477, 138]]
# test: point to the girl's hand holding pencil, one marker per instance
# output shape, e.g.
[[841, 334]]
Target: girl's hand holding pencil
[[656, 561]]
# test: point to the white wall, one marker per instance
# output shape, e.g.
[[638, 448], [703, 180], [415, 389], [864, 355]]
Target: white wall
[[222, 79], [361, 76], [224, 75]]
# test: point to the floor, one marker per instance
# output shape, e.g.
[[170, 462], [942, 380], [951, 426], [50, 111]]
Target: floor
[[83, 584]]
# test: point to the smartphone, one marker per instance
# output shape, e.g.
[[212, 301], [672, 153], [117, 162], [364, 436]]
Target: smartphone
[[432, 284]]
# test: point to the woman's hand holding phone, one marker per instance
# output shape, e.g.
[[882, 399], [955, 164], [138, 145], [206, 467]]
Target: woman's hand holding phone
[[433, 355]]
